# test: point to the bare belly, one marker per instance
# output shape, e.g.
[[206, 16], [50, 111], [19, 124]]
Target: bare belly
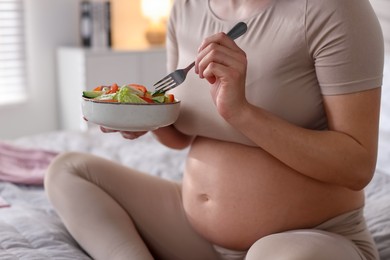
[[235, 194]]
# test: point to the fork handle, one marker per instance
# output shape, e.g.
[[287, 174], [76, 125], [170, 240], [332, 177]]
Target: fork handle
[[238, 30], [189, 67]]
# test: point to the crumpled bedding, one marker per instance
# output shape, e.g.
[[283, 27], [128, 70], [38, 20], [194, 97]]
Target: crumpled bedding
[[377, 212], [31, 230]]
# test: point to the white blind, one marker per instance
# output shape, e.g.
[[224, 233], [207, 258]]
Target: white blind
[[12, 52]]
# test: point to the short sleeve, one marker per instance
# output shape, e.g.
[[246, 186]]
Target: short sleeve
[[171, 41], [345, 41]]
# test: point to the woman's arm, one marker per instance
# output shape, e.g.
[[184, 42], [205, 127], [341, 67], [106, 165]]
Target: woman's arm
[[168, 136], [344, 155]]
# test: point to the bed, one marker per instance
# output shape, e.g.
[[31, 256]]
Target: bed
[[31, 230]]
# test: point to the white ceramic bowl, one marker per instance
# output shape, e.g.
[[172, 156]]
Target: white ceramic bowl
[[130, 116]]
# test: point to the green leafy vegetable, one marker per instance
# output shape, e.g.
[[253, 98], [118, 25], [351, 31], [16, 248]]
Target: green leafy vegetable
[[126, 95]]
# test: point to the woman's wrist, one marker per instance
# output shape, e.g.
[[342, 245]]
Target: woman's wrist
[[240, 116], [171, 137]]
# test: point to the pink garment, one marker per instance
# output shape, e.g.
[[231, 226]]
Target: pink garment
[[23, 165]]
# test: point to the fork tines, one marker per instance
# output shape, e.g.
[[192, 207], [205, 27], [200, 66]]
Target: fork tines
[[164, 85]]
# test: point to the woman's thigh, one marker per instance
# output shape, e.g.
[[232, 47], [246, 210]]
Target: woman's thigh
[[304, 245], [153, 204]]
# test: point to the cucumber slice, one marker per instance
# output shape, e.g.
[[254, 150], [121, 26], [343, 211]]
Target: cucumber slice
[[92, 94], [159, 99]]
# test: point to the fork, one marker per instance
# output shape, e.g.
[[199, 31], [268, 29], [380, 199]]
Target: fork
[[177, 77]]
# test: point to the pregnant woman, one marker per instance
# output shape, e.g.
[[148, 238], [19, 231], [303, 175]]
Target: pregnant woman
[[282, 126]]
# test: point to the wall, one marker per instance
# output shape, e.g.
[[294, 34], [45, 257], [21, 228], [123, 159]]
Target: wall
[[50, 24], [128, 24]]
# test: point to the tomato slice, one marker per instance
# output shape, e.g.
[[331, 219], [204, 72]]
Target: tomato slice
[[148, 95], [149, 100], [113, 89], [139, 87]]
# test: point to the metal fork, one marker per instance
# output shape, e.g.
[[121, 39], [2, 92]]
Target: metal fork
[[177, 77]]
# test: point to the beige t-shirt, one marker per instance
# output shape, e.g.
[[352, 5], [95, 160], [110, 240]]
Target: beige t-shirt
[[297, 50]]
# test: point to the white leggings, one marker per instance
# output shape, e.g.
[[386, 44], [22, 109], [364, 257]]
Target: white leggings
[[118, 213]]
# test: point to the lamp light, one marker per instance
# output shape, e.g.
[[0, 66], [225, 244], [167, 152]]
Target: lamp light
[[156, 11]]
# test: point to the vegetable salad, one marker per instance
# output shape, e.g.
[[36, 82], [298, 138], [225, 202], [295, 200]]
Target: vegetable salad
[[130, 93]]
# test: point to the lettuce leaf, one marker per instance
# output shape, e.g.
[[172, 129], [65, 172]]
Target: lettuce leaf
[[125, 95], [106, 96]]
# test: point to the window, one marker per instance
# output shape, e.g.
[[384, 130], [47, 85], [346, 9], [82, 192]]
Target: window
[[12, 52]]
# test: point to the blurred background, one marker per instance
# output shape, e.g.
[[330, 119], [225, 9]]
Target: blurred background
[[51, 50]]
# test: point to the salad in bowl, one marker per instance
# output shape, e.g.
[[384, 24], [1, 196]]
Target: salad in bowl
[[130, 93], [131, 107]]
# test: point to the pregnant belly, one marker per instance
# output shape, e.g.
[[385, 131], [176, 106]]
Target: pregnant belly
[[234, 194]]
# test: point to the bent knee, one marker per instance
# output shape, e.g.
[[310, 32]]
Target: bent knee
[[269, 247], [63, 167], [302, 245]]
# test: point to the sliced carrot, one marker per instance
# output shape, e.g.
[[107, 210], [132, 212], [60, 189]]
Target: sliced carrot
[[169, 98], [99, 88]]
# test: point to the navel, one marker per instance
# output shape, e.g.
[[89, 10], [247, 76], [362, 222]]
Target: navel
[[204, 197]]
